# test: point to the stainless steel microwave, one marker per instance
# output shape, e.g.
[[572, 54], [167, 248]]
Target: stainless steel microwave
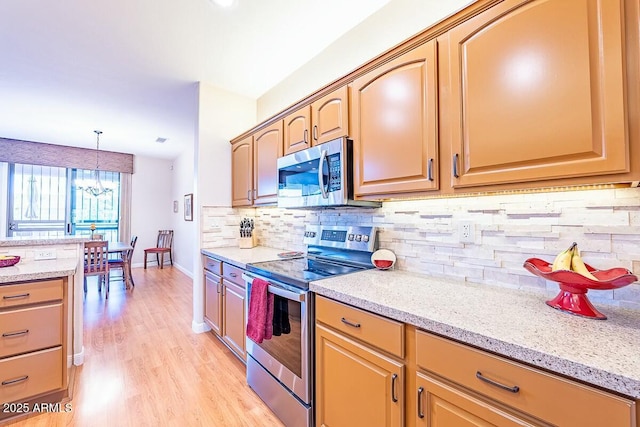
[[319, 177]]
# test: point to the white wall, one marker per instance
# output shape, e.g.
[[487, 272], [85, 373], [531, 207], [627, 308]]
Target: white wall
[[151, 202], [221, 116], [184, 232], [388, 27]]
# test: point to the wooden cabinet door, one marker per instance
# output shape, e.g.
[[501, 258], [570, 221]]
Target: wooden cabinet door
[[330, 116], [442, 405], [234, 318], [355, 385], [213, 302], [242, 172], [297, 126], [536, 92], [267, 147], [394, 125]]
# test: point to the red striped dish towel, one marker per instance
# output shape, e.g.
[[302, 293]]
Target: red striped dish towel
[[259, 321]]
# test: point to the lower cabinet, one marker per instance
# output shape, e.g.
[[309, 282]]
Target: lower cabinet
[[357, 384], [224, 308], [33, 342], [363, 378]]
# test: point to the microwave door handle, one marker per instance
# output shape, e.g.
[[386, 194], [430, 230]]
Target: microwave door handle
[[323, 159]]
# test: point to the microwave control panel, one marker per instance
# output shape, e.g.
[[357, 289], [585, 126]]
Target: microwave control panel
[[335, 180]]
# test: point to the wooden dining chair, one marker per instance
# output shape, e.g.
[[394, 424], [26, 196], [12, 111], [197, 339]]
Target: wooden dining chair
[[123, 262], [164, 245], [96, 263]]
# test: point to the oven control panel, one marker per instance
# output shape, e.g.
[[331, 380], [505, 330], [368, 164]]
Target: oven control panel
[[343, 237]]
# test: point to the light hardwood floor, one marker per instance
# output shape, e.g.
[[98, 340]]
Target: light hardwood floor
[[145, 367]]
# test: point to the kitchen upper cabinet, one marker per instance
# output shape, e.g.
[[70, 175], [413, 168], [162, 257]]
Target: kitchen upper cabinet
[[267, 147], [534, 90], [325, 119], [254, 167], [297, 126], [330, 116], [242, 172], [394, 116]]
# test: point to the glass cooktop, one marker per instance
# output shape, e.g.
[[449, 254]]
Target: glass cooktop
[[300, 271]]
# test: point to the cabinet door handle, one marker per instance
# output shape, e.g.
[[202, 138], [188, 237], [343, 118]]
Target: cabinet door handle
[[430, 170], [512, 389], [455, 166], [16, 296], [315, 132], [15, 334], [346, 322], [17, 380], [420, 408], [304, 138], [394, 379], [218, 287], [249, 195]]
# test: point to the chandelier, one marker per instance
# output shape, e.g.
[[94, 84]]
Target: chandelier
[[95, 186]]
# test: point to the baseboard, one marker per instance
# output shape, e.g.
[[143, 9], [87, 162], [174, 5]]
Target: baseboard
[[78, 358], [183, 270], [199, 327]]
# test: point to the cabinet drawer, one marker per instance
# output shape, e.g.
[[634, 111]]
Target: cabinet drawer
[[232, 274], [30, 374], [386, 334], [213, 265], [540, 394], [30, 292], [29, 329]]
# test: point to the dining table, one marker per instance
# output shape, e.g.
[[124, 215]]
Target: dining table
[[122, 249]]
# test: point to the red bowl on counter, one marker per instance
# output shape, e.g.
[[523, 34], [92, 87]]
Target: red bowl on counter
[[8, 260], [574, 286]]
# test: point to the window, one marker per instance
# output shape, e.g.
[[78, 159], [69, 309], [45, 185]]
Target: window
[[45, 201]]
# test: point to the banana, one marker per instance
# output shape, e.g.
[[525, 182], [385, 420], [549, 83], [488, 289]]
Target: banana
[[578, 266], [563, 259]]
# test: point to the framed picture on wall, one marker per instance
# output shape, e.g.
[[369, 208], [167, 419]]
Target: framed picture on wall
[[188, 207]]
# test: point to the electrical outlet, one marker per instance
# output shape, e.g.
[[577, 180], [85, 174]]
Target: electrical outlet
[[45, 254], [466, 231]]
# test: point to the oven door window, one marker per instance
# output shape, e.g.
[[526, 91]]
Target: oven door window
[[286, 343]]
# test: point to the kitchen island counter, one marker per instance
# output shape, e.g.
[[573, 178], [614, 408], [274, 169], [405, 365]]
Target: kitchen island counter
[[513, 323]]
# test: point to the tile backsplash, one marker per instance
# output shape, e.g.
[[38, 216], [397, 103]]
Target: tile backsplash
[[506, 230]]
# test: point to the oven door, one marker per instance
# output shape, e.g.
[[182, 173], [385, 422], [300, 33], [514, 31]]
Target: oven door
[[313, 177], [286, 356]]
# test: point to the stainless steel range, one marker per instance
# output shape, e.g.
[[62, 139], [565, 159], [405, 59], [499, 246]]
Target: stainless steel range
[[280, 369]]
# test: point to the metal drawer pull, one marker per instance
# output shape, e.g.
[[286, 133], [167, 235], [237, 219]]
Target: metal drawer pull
[[17, 380], [394, 378], [420, 409], [513, 389], [233, 275], [455, 166], [16, 296], [15, 334], [346, 322]]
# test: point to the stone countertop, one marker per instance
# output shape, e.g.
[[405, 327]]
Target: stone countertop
[[514, 323], [35, 270], [36, 241], [241, 257]]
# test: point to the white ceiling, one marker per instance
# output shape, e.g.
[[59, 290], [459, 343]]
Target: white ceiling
[[128, 67]]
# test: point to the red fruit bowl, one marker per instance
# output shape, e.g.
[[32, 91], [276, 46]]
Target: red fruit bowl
[[383, 259], [574, 286], [9, 260]]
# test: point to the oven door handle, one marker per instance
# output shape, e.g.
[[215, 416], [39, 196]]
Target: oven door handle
[[276, 290]]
